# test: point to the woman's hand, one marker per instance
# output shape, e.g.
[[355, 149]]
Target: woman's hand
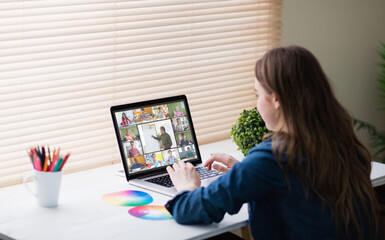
[[225, 159], [184, 176]]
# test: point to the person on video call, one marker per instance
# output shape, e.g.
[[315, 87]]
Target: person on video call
[[143, 115], [171, 158], [177, 112], [160, 113], [309, 178], [183, 141], [125, 120], [155, 160], [129, 136], [133, 152], [136, 165], [178, 126], [164, 138], [189, 154], [148, 164]]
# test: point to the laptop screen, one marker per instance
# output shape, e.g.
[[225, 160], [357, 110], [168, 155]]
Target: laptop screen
[[154, 134]]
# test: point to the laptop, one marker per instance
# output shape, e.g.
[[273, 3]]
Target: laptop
[[155, 134]]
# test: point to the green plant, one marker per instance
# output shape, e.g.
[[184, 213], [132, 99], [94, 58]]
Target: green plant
[[377, 138], [248, 130]]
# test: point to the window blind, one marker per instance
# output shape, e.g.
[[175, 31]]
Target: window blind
[[64, 63]]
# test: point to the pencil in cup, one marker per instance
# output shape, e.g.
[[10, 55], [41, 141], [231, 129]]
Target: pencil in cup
[[43, 161]]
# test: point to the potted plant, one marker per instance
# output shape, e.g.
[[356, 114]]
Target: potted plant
[[249, 130], [377, 138]]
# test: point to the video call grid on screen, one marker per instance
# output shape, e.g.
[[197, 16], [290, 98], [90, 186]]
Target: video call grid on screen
[[155, 136]]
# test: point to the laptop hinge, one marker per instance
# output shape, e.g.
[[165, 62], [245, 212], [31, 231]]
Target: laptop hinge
[[151, 175]]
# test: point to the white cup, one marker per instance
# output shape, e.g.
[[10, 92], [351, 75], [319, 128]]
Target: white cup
[[47, 187]]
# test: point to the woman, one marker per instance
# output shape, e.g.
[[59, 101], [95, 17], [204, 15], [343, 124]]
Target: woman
[[171, 158], [309, 180], [178, 126], [129, 136], [155, 160], [160, 114], [125, 120], [177, 112]]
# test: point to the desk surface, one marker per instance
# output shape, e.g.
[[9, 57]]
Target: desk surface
[[81, 214], [378, 174]]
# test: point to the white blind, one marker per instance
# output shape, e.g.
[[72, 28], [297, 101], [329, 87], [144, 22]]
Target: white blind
[[64, 63]]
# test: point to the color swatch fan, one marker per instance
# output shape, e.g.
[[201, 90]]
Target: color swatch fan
[[127, 198], [150, 212]]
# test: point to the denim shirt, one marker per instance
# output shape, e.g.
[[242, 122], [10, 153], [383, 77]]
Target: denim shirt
[[277, 210]]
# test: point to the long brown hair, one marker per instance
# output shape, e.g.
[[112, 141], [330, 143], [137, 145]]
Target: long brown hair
[[320, 130]]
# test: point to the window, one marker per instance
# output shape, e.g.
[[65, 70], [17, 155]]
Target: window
[[64, 63]]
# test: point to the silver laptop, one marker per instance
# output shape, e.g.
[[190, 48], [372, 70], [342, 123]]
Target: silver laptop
[[155, 134]]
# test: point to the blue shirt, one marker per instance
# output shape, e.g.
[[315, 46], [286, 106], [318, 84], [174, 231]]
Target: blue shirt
[[134, 166], [190, 154], [171, 159], [275, 212], [144, 116], [183, 142]]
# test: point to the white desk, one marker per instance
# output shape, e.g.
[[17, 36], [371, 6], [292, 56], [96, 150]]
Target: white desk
[[378, 174], [82, 215]]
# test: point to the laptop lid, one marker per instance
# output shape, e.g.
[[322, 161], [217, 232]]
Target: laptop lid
[[154, 134]]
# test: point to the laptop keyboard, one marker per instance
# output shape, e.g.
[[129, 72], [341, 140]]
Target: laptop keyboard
[[166, 181]]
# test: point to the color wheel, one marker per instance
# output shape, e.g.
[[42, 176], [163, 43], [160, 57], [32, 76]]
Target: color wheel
[[150, 212], [127, 198]]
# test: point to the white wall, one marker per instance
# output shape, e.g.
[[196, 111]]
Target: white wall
[[344, 35]]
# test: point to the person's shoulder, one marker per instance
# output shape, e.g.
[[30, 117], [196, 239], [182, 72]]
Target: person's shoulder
[[265, 146], [261, 152], [261, 161]]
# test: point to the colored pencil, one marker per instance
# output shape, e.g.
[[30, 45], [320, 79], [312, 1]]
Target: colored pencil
[[42, 160], [64, 161], [53, 161], [49, 157], [37, 163], [58, 165], [45, 164]]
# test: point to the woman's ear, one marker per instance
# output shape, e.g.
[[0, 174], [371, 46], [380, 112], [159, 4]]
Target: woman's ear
[[276, 102]]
